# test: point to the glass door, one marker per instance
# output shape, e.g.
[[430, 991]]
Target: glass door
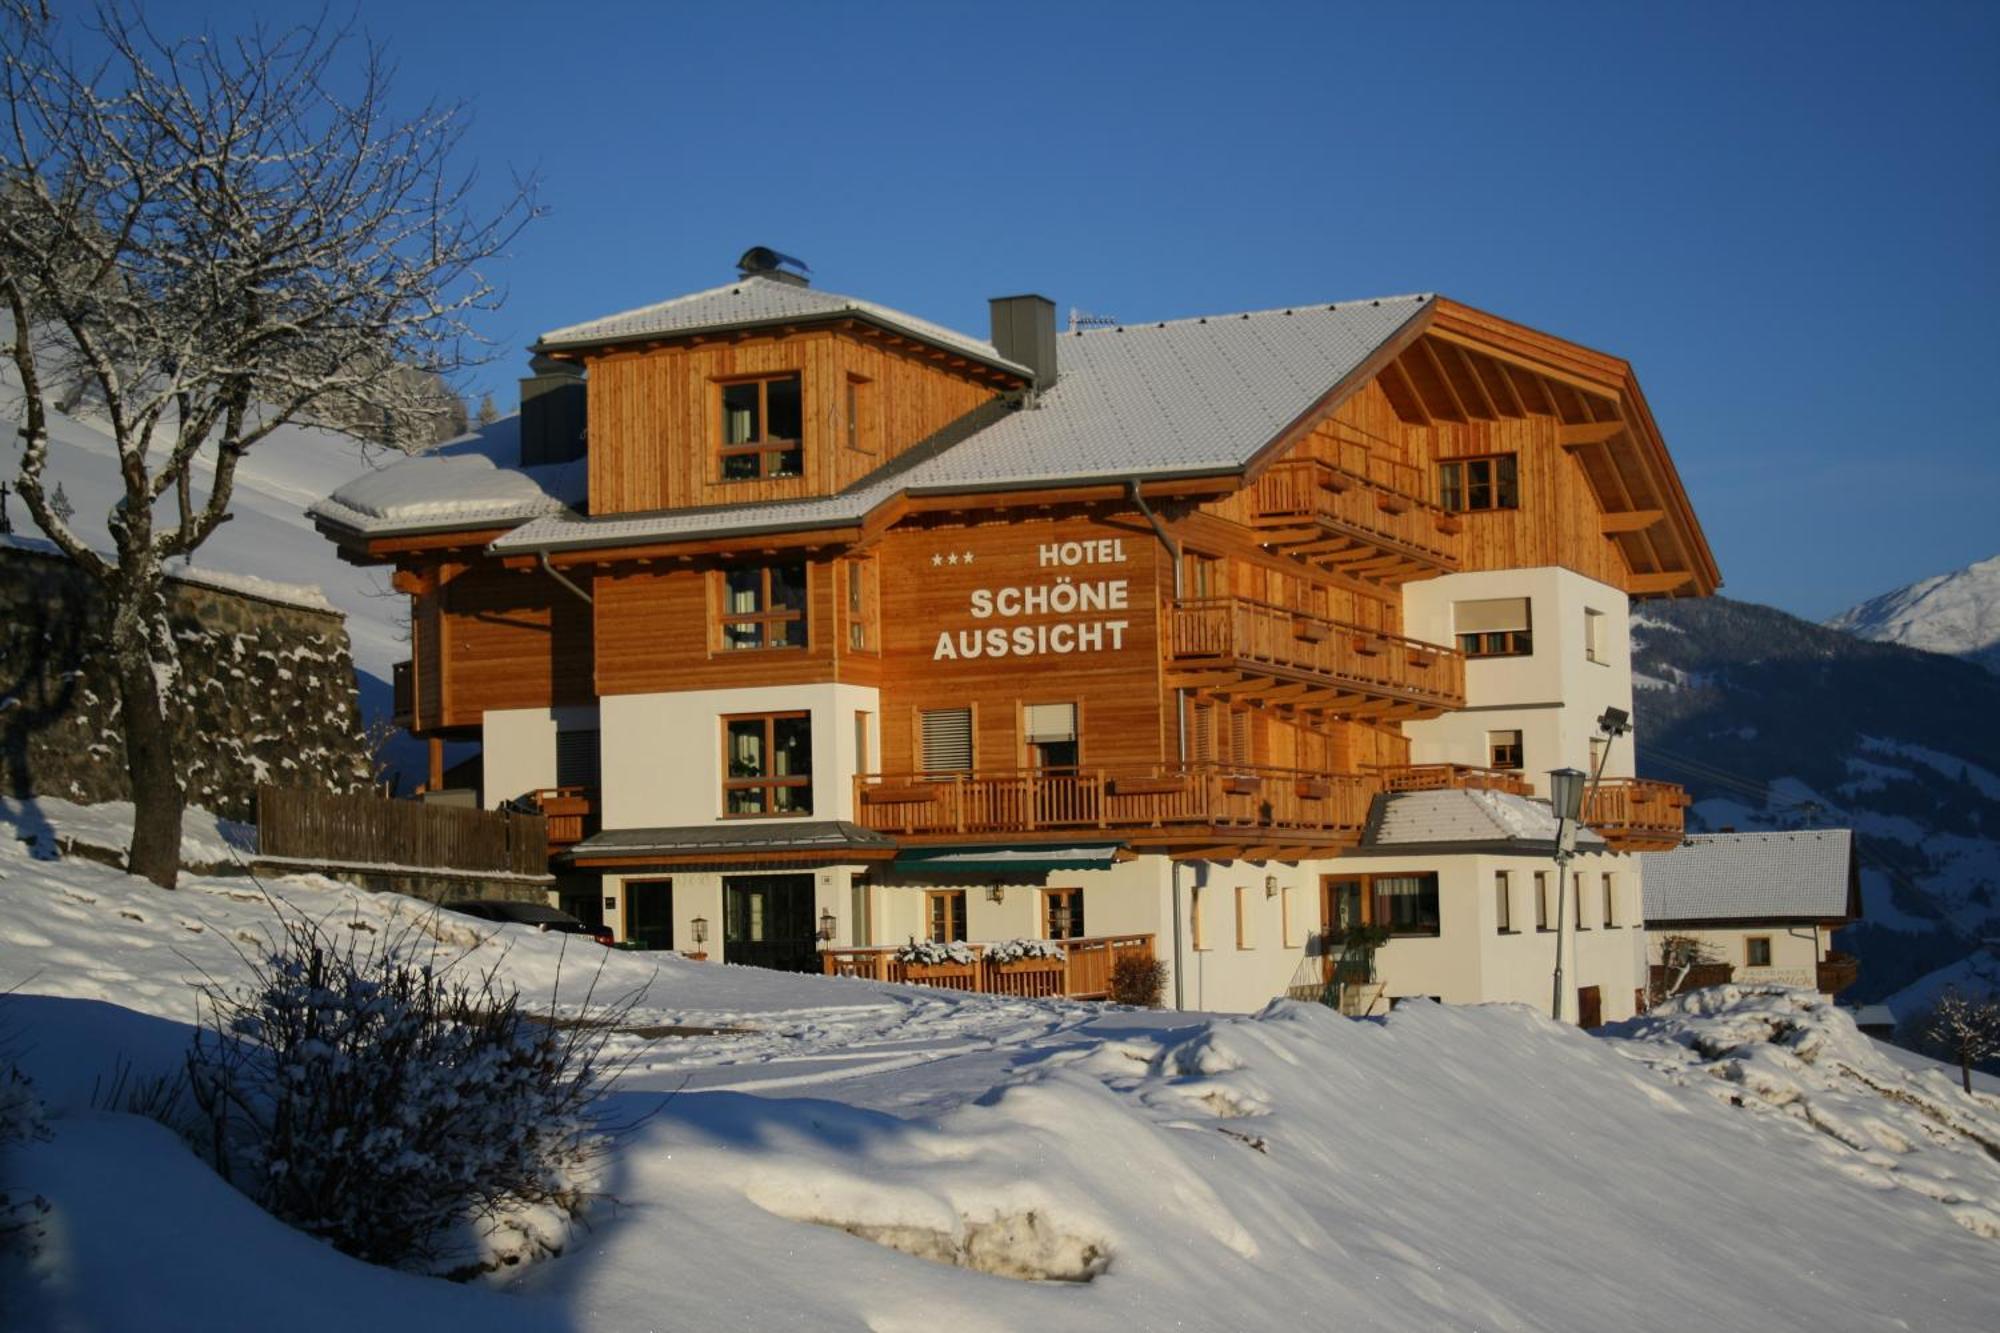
[[767, 921], [649, 913]]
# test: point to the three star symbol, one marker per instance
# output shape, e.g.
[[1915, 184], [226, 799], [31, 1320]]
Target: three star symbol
[[951, 558]]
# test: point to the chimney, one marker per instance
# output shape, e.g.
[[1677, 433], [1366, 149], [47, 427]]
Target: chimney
[[1024, 331], [761, 261], [552, 412]]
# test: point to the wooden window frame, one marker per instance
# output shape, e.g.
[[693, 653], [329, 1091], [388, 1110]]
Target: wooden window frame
[[1498, 643], [1496, 750], [1049, 899], [1197, 936], [1371, 895], [1610, 900], [1463, 466], [959, 912], [1750, 942], [857, 408], [1593, 637], [1576, 891], [1542, 926], [1503, 901], [767, 783], [764, 618], [763, 448], [1245, 932], [860, 606]]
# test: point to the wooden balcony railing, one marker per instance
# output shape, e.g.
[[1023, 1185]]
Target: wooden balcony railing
[[1083, 973], [1154, 802], [1837, 971], [571, 812], [1637, 814], [1349, 520], [1450, 777], [1232, 641]]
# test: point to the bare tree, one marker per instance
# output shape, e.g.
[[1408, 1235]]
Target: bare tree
[[217, 235], [1966, 1029], [1680, 955]]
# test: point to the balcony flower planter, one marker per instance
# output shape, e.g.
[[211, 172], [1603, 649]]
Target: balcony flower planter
[[1314, 789], [1366, 646], [1450, 524], [1308, 631], [1421, 660], [1392, 504], [1147, 786], [1239, 784]]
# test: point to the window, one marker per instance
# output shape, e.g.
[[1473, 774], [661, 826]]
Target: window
[[1599, 748], [768, 762], [1503, 749], [1051, 734], [762, 606], [577, 760], [1407, 904], [1244, 914], [1757, 951], [1201, 577], [861, 746], [1285, 916], [860, 407], [762, 428], [1062, 914], [1492, 482], [946, 734], [1493, 627], [944, 910], [1503, 901], [1593, 636], [1610, 902], [1239, 736], [1201, 732], [1576, 893], [1542, 904], [1196, 933], [861, 626]]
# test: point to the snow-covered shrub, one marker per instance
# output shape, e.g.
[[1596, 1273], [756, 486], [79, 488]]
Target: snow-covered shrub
[[929, 953], [1138, 980], [21, 1120], [394, 1106], [1013, 951]]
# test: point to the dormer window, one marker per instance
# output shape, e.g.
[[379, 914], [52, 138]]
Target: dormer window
[[763, 428]]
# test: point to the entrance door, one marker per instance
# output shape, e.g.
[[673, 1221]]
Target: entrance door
[[767, 921], [1589, 1007], [1343, 904], [649, 912]]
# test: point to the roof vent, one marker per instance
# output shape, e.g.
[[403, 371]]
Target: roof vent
[[761, 261]]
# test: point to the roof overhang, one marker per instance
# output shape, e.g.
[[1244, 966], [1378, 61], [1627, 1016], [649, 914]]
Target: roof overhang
[[974, 860]]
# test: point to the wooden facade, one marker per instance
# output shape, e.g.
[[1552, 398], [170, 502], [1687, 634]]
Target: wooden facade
[[1233, 654]]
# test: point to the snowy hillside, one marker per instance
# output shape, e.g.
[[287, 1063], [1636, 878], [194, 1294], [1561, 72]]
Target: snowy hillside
[[864, 1156], [1957, 614], [1773, 722]]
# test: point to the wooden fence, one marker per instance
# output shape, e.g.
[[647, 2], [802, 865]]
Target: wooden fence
[[1083, 973], [297, 824]]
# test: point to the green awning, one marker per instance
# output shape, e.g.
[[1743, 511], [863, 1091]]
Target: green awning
[[1006, 860]]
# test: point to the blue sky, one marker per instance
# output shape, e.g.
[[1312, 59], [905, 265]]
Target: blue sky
[[1783, 214]]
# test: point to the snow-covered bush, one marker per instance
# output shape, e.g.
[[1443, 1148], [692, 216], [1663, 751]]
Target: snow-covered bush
[[1138, 980], [1013, 951], [929, 953], [396, 1107], [21, 1120]]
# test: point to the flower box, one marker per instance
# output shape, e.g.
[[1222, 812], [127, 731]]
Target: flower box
[[1147, 786], [898, 795], [1450, 524], [1392, 504], [1308, 631], [1367, 645], [1314, 789], [1241, 784]]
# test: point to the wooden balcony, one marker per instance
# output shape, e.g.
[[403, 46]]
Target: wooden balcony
[[1837, 971], [1454, 777], [1083, 973], [1214, 811], [1637, 814], [1232, 647], [1351, 523], [570, 811], [402, 694]]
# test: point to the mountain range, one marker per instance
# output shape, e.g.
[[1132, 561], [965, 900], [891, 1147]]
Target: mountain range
[[1957, 614]]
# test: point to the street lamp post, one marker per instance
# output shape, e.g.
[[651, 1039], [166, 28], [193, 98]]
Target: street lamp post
[[1567, 798]]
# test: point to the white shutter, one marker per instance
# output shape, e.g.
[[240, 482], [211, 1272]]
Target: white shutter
[[947, 737], [1495, 615], [1050, 722]]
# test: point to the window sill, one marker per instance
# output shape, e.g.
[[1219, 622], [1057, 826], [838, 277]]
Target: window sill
[[1504, 931]]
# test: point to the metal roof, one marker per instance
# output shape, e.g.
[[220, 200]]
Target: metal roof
[[1494, 820], [753, 302], [1191, 397], [1806, 875]]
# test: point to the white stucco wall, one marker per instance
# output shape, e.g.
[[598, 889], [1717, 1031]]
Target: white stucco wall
[[1552, 696], [1796, 951], [663, 752], [518, 748]]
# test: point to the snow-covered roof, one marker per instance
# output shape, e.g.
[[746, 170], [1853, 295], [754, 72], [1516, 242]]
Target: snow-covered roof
[[1805, 875], [467, 483], [753, 301], [1493, 819], [827, 835], [1191, 397], [306, 596]]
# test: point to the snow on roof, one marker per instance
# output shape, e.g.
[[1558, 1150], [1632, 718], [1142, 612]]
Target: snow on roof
[[1427, 818], [760, 300], [474, 481], [1190, 397], [306, 595], [1806, 874]]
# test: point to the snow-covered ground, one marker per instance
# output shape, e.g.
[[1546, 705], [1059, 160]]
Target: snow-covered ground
[[1956, 613], [865, 1156]]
